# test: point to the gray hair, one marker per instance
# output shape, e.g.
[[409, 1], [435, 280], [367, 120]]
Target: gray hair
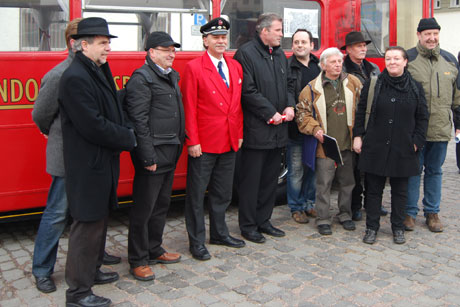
[[77, 42], [265, 21], [328, 53]]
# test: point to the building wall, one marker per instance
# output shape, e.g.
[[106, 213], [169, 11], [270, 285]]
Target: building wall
[[448, 17]]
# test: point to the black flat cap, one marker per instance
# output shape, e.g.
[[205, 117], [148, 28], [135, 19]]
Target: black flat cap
[[354, 37], [92, 26], [428, 24], [160, 38], [217, 26]]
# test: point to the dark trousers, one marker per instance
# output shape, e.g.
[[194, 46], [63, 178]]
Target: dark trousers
[[358, 190], [258, 181], [457, 151], [84, 257], [215, 172], [147, 218], [375, 185]]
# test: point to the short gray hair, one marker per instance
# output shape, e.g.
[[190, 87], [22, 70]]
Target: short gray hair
[[328, 53], [265, 20], [77, 42]]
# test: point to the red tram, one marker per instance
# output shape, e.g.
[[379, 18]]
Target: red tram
[[34, 43]]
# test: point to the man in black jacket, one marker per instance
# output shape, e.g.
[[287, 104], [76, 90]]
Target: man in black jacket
[[94, 133], [264, 100], [303, 67], [154, 105], [355, 63]]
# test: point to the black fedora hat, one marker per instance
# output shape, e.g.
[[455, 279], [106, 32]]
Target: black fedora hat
[[93, 26], [353, 38]]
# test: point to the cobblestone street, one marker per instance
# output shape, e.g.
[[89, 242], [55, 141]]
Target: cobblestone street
[[301, 269]]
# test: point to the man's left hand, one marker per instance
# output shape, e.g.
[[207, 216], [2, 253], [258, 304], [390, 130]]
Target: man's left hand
[[289, 112]]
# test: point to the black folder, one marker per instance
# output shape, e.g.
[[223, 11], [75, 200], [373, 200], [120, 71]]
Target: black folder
[[331, 149]]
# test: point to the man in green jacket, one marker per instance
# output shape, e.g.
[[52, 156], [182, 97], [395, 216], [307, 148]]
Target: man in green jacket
[[437, 71]]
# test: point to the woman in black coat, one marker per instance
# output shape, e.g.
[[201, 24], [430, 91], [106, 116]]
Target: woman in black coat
[[389, 147]]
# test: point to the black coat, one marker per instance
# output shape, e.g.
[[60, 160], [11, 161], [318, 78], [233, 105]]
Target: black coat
[[265, 92], [295, 86], [398, 120], [94, 134], [155, 108]]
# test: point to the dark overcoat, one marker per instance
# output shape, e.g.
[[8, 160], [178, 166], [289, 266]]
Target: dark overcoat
[[94, 134], [264, 92], [397, 121]]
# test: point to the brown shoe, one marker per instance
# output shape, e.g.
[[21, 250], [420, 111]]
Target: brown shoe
[[143, 273], [300, 217], [166, 258], [409, 223], [433, 222], [311, 212]]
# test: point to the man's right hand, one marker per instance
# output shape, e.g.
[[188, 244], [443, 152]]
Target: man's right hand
[[319, 136], [151, 168], [195, 151], [277, 119]]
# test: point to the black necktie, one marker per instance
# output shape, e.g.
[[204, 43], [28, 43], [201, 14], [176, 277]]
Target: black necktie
[[221, 73]]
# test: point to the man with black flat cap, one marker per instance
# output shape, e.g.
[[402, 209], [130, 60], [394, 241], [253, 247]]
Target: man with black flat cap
[[154, 105], [214, 126], [94, 133], [355, 63]]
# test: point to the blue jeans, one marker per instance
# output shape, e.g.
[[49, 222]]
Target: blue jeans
[[301, 188], [432, 158], [51, 227]]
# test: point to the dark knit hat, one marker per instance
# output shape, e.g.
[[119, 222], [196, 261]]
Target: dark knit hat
[[428, 24]]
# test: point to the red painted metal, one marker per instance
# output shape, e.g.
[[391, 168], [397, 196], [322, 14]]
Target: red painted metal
[[24, 182]]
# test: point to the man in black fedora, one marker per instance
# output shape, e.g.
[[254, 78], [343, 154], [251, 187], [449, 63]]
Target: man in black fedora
[[94, 133], [355, 63]]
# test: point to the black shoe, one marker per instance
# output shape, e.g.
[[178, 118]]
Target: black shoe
[[383, 211], [45, 284], [228, 241], [90, 301], [357, 216], [105, 278], [348, 225], [253, 236], [110, 259], [370, 236], [398, 236], [272, 231], [200, 252], [325, 229]]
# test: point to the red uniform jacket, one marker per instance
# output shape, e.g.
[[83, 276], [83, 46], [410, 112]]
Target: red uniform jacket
[[213, 114]]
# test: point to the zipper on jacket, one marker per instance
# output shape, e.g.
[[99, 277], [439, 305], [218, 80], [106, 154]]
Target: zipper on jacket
[[437, 79]]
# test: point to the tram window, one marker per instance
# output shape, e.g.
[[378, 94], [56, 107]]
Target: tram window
[[409, 14], [296, 14], [33, 25], [133, 20], [375, 25]]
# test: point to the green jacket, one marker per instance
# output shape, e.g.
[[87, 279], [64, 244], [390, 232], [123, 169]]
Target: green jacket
[[437, 71]]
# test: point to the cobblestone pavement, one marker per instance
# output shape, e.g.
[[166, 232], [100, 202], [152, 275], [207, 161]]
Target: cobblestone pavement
[[301, 269]]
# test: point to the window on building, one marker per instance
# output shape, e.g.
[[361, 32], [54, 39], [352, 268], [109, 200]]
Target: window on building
[[295, 13], [375, 25], [454, 3], [133, 20], [33, 25]]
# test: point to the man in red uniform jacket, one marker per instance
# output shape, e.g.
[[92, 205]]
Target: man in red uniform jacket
[[211, 90]]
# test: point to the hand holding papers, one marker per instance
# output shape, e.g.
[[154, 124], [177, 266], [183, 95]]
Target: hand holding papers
[[331, 149]]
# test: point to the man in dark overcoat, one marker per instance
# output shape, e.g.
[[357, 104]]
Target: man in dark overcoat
[[94, 133], [264, 99]]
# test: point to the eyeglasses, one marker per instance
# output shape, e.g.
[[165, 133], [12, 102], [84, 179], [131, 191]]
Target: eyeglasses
[[166, 50]]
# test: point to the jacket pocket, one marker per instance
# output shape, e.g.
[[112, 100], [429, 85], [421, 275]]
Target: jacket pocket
[[166, 149], [96, 161]]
